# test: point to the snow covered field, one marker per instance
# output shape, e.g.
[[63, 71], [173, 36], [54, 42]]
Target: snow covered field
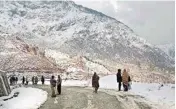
[[161, 95], [28, 98]]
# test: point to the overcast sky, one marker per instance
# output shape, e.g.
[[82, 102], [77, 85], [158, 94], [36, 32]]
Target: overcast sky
[[152, 20]]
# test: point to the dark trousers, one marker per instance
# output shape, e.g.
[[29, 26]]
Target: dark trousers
[[125, 87], [59, 89], [119, 86], [43, 82], [96, 89]]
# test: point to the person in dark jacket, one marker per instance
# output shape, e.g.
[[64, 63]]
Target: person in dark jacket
[[42, 79], [11, 80], [23, 80], [119, 78], [129, 82], [53, 85], [59, 82], [129, 79], [95, 82], [33, 80]]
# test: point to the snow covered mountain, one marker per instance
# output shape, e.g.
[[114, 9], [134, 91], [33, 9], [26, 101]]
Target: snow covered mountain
[[73, 29], [169, 49]]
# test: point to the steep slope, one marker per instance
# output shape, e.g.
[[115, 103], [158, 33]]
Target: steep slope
[[73, 29], [17, 55], [169, 49]]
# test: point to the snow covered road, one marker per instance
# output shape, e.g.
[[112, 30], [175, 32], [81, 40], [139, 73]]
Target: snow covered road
[[84, 98]]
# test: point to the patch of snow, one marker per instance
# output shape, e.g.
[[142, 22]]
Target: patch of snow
[[28, 98]]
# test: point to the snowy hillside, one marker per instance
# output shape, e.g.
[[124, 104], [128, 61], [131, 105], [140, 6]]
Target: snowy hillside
[[76, 64], [70, 28], [169, 49]]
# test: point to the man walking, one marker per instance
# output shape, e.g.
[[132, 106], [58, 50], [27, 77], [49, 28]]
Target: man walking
[[95, 82]]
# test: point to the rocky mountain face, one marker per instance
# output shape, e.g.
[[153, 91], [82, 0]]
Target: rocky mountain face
[[75, 30], [17, 55]]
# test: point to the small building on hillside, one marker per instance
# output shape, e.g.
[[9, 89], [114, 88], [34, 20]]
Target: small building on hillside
[[4, 85]]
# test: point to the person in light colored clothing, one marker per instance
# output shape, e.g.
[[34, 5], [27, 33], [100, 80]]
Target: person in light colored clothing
[[125, 80], [53, 85]]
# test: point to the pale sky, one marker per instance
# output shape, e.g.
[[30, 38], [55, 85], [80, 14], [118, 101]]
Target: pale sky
[[152, 20]]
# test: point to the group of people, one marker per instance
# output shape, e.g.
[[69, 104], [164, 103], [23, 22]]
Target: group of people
[[13, 80], [55, 84], [121, 78], [125, 79], [34, 79], [25, 80]]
